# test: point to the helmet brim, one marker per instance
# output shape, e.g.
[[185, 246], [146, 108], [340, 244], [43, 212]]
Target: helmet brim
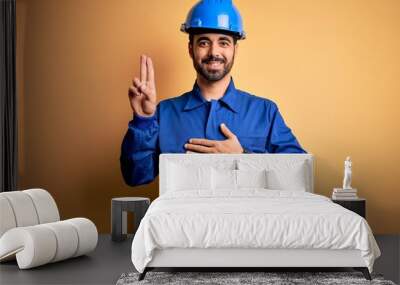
[[197, 31]]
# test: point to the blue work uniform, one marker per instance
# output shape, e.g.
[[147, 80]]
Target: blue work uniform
[[255, 121]]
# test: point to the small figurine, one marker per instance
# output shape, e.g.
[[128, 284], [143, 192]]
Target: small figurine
[[347, 174]]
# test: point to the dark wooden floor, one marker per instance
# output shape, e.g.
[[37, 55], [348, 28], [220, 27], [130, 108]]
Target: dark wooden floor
[[103, 266], [110, 260]]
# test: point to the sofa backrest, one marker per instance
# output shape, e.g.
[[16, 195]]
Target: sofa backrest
[[233, 161], [26, 208]]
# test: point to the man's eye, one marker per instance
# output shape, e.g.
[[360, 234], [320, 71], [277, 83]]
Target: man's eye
[[202, 44], [224, 44]]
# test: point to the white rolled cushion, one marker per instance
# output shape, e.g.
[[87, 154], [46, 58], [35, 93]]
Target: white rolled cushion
[[23, 208], [87, 235], [223, 179], [45, 205], [67, 240], [222, 164], [33, 245], [282, 173], [183, 177], [7, 218], [292, 178], [227, 179], [251, 179]]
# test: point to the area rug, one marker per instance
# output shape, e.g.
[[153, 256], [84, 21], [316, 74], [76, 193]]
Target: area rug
[[243, 278]]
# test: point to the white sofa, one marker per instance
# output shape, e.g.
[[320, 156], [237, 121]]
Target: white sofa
[[31, 231]]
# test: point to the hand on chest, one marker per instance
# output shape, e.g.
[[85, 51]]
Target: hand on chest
[[212, 134]]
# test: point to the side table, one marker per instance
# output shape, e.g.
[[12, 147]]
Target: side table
[[119, 206], [357, 205]]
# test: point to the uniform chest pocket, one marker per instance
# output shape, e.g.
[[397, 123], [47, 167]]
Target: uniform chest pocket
[[254, 143]]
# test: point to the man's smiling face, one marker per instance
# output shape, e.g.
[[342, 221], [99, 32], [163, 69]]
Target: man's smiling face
[[213, 55]]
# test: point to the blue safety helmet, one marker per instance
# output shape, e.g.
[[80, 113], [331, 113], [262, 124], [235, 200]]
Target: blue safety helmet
[[219, 15]]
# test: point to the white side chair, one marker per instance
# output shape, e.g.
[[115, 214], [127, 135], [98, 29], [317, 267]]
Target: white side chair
[[31, 231]]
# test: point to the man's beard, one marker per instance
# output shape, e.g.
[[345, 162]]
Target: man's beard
[[213, 75]]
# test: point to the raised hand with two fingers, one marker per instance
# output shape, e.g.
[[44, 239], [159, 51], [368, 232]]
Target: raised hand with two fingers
[[142, 92]]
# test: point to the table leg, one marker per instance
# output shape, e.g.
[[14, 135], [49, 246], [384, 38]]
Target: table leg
[[118, 222]]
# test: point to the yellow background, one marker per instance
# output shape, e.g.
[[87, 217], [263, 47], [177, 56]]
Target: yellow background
[[332, 66]]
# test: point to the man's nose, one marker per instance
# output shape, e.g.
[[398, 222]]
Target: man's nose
[[214, 49]]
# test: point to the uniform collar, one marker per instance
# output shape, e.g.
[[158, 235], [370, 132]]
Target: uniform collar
[[195, 99]]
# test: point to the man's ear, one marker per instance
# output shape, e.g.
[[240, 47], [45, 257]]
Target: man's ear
[[190, 48]]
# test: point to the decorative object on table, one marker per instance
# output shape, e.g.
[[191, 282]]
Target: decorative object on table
[[357, 205], [347, 192], [243, 278], [344, 194], [347, 174], [31, 231], [119, 207]]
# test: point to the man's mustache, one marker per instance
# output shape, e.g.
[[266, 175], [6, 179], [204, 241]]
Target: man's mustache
[[213, 58]]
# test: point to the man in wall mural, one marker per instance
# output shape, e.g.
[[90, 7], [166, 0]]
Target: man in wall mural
[[214, 117]]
